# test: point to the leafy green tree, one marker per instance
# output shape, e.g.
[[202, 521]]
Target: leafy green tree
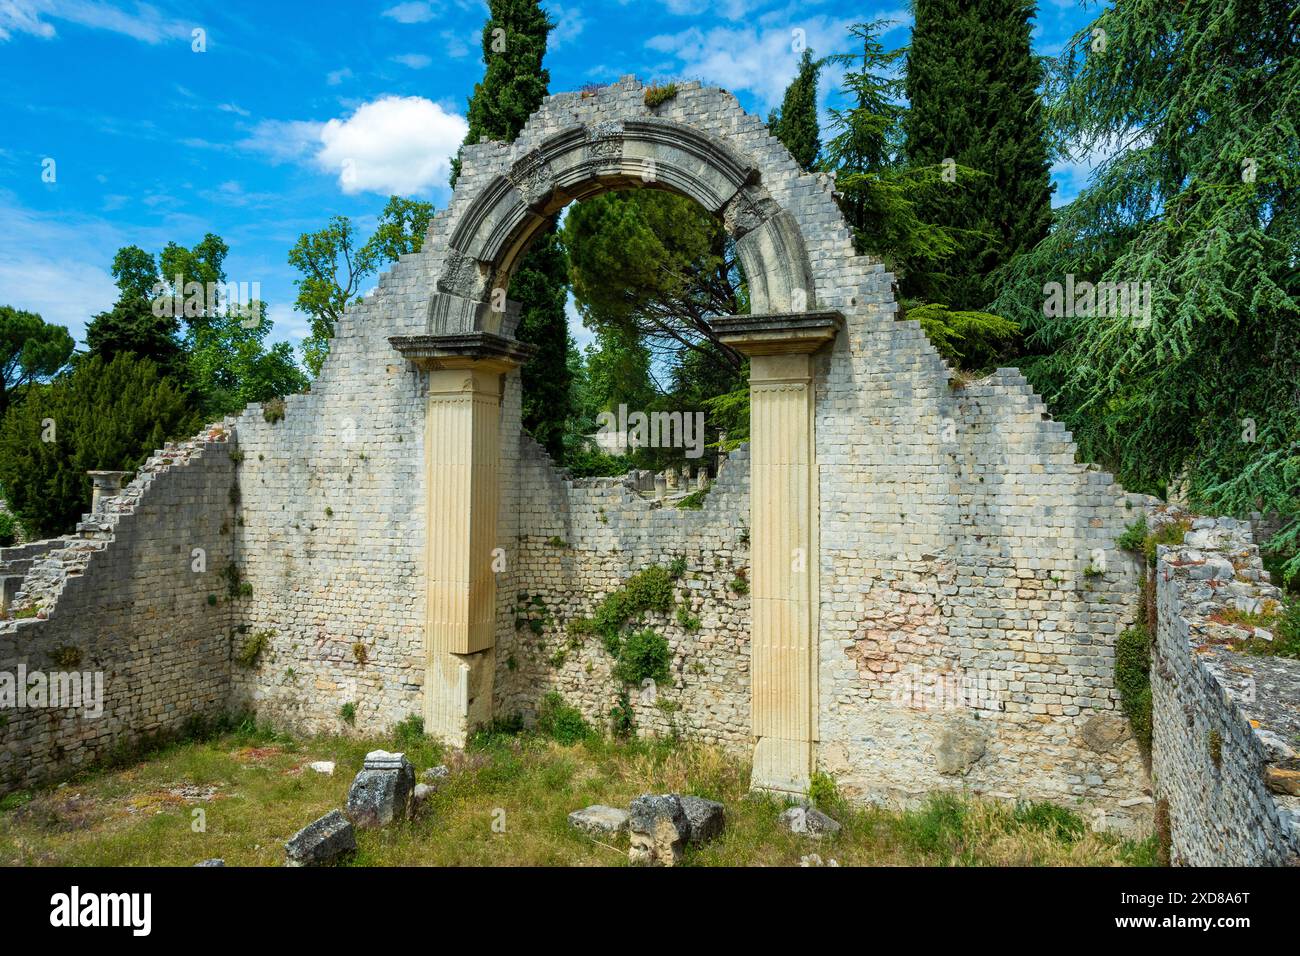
[[31, 349], [883, 195], [332, 269], [544, 322], [515, 82], [101, 415], [332, 266], [227, 361], [796, 124], [1198, 202], [134, 324], [512, 88], [972, 85]]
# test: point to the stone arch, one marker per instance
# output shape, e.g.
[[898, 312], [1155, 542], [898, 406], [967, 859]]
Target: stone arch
[[583, 160]]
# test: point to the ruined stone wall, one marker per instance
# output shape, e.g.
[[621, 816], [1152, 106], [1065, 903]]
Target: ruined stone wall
[[123, 599], [1226, 724], [581, 540], [971, 588], [958, 534], [959, 537], [331, 527]]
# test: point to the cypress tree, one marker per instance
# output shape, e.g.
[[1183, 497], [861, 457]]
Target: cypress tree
[[972, 85], [513, 85], [796, 123]]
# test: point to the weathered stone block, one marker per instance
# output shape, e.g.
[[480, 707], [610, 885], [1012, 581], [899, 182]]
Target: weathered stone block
[[659, 830], [321, 842], [707, 818], [959, 748], [809, 821], [599, 820], [382, 792], [1102, 732]]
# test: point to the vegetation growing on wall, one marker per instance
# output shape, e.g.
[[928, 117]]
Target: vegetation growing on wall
[[647, 590], [1133, 680]]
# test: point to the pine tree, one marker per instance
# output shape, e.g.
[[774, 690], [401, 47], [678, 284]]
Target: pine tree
[[514, 43], [972, 85], [796, 123]]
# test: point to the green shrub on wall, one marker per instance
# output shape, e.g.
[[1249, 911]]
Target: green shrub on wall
[[647, 590], [644, 654], [1133, 680]]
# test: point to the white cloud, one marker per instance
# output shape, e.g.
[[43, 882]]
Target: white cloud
[[335, 77], [17, 16], [729, 9], [410, 12], [233, 108], [457, 46], [416, 61], [284, 140], [395, 145], [569, 23], [53, 268], [760, 59], [145, 23]]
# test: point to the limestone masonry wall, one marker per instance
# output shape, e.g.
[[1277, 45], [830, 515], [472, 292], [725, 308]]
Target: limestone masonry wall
[[970, 591], [584, 538], [1226, 724], [123, 599]]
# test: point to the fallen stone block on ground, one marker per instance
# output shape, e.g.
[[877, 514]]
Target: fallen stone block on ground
[[599, 820], [321, 842]]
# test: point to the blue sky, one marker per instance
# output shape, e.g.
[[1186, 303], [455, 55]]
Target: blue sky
[[297, 111]]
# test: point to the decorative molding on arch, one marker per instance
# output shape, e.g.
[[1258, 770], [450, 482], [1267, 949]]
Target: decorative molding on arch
[[493, 231]]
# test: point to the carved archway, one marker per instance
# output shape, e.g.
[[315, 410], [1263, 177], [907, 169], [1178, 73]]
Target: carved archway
[[493, 232], [469, 346]]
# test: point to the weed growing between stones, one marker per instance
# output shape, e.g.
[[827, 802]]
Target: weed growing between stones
[[644, 655], [648, 590], [622, 719], [251, 650], [694, 501], [1284, 625], [67, 658], [658, 95]]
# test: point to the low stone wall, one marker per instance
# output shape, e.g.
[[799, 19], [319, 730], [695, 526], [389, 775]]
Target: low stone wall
[[1226, 724], [584, 538], [128, 606]]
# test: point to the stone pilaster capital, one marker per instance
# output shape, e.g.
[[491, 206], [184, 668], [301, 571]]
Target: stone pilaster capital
[[786, 333], [478, 351]]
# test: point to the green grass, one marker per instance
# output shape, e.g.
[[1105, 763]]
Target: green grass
[[256, 790], [1285, 628]]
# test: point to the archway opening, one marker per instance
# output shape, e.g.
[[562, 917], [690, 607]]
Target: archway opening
[[646, 384]]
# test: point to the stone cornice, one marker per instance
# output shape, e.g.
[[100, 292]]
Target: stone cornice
[[779, 333], [484, 350]]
